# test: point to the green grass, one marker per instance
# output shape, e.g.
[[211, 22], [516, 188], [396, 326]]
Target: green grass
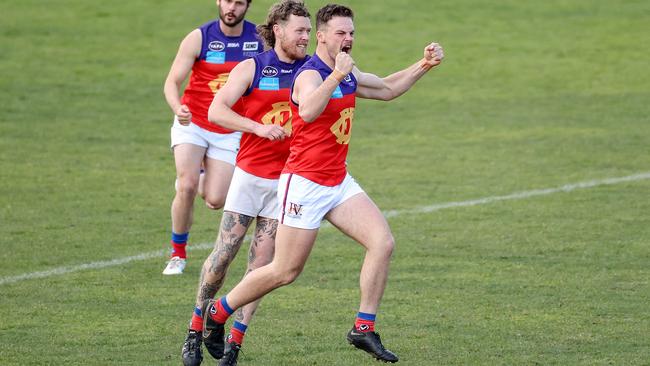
[[531, 95]]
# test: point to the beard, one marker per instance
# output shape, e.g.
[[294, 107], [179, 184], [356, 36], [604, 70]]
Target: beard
[[293, 51], [236, 19]]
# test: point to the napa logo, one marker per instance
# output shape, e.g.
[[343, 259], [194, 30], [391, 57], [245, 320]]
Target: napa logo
[[269, 71], [216, 46]]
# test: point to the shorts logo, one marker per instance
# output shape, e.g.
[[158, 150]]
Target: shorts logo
[[250, 46], [295, 210], [269, 71], [216, 46]]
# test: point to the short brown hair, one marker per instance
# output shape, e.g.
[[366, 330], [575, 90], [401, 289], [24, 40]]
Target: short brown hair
[[279, 13], [330, 11]]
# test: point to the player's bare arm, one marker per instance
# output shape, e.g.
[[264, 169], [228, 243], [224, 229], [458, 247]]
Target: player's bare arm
[[221, 113], [312, 93], [371, 86], [188, 51]]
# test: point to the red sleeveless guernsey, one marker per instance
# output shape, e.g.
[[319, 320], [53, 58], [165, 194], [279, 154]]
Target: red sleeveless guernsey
[[319, 148], [267, 102], [219, 55]]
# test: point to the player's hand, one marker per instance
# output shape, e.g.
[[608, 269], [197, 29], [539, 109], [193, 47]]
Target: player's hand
[[271, 132], [343, 63], [184, 115], [433, 54]]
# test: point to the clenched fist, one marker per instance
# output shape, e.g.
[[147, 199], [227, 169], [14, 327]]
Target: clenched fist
[[433, 54], [343, 63]]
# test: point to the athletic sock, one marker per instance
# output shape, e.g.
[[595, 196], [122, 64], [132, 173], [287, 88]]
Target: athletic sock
[[365, 322], [196, 324], [220, 312], [179, 242], [237, 333]]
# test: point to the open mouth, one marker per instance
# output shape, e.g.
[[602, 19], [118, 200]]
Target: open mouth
[[346, 49]]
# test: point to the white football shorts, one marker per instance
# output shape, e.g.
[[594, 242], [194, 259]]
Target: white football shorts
[[304, 204], [252, 196], [220, 146]]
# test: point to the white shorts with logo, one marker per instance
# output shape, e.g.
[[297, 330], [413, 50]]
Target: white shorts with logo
[[304, 203], [220, 146], [252, 196]]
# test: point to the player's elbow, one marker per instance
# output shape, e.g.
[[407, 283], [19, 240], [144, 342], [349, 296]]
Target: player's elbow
[[306, 114], [388, 94], [214, 113]]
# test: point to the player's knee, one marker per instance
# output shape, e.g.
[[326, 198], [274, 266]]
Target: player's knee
[[385, 245], [288, 275], [214, 201], [390, 245], [260, 259], [220, 261], [187, 187]]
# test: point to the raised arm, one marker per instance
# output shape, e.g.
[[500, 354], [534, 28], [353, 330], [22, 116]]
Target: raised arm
[[371, 86], [221, 113], [312, 93], [187, 53]]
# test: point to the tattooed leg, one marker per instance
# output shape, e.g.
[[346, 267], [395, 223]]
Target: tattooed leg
[[231, 235], [260, 254]]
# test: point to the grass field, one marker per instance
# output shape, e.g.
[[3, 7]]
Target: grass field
[[532, 95]]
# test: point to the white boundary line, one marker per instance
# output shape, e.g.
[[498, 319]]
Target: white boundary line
[[388, 214]]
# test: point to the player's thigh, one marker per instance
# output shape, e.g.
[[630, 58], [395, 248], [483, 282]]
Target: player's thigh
[[359, 218], [293, 246], [188, 159], [217, 178]]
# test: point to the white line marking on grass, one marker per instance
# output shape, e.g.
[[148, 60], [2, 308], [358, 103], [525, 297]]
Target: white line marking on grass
[[95, 265], [388, 214], [519, 195]]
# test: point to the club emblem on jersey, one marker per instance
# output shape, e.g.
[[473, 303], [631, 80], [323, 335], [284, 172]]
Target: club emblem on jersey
[[348, 78], [295, 210], [219, 82], [342, 128], [280, 115], [269, 71], [216, 46]]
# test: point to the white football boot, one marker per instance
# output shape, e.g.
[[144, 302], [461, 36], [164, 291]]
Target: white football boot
[[175, 266]]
